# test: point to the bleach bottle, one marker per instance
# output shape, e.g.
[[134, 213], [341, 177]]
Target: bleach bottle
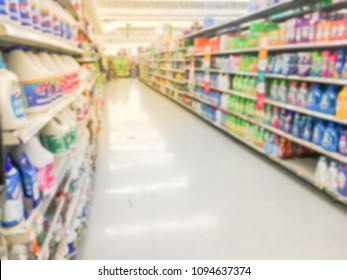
[[314, 98], [328, 101], [55, 137], [25, 13], [43, 160], [4, 12], [13, 208], [11, 99], [14, 11], [37, 86], [46, 16], [35, 14], [318, 132], [330, 139]]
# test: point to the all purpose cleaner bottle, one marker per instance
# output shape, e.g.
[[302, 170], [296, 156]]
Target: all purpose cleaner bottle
[[36, 85], [43, 160], [328, 101], [54, 137], [330, 139], [13, 208], [11, 99], [341, 104]]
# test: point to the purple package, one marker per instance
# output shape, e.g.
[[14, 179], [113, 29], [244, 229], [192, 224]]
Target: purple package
[[288, 121], [307, 33], [304, 70], [282, 119], [305, 58]]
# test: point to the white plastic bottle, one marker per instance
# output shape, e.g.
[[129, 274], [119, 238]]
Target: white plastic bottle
[[56, 26], [80, 107], [75, 71], [56, 73], [4, 11], [46, 16], [25, 13], [332, 176], [14, 12], [321, 174], [43, 160], [35, 14], [54, 137], [65, 119], [66, 81], [13, 208], [11, 100], [37, 86]]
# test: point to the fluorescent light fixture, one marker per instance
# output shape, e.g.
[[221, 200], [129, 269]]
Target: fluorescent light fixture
[[159, 30]]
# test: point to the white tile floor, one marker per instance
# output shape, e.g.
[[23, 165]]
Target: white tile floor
[[169, 186]]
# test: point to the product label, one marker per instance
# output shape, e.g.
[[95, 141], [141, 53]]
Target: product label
[[3, 10], [46, 20], [24, 12], [49, 175], [35, 14], [55, 144], [56, 25], [326, 140], [13, 9], [38, 93], [17, 102]]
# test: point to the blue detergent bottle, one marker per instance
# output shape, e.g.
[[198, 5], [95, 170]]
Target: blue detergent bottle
[[298, 125], [342, 181], [328, 101], [314, 98], [318, 132], [330, 141], [308, 129]]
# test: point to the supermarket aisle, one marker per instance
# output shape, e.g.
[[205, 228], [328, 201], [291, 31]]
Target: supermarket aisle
[[169, 186]]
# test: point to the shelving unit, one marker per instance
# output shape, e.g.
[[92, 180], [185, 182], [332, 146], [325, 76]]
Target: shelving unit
[[55, 200], [12, 35], [189, 98]]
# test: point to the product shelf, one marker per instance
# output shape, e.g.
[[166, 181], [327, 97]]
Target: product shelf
[[67, 4], [331, 81], [301, 167], [171, 51], [36, 122], [170, 79], [45, 245], [169, 60], [227, 72], [11, 35], [310, 46], [87, 60], [283, 105], [169, 69], [265, 13]]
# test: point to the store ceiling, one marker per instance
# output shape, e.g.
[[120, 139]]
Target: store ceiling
[[129, 23]]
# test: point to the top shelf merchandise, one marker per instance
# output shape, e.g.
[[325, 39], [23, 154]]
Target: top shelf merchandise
[[300, 121]]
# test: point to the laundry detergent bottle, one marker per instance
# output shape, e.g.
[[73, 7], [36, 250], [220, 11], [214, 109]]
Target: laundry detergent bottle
[[11, 99], [318, 132], [328, 101], [13, 208], [343, 142], [330, 139], [321, 173], [37, 86], [341, 104], [342, 181], [314, 98], [302, 96], [333, 173]]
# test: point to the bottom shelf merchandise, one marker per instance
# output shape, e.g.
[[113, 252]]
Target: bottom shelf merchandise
[[275, 145]]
